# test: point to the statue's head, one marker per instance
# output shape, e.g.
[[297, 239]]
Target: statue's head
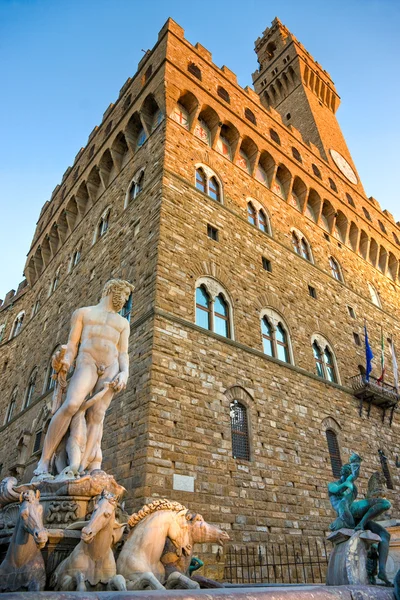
[[119, 290]]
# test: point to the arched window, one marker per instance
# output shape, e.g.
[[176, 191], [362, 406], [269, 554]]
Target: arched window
[[2, 330], [17, 325], [374, 295], [30, 390], [275, 337], [181, 116], [324, 359], [222, 93], [301, 246], [239, 430], [316, 171], [221, 316], [251, 214], [257, 216], [213, 308], [141, 138], [202, 131], [103, 224], [350, 200], [207, 182], [203, 308], [274, 136], [75, 258], [55, 281], [194, 70], [366, 213], [296, 154], [135, 187], [335, 268], [261, 175], [213, 189], [250, 116], [201, 180], [11, 407], [334, 452]]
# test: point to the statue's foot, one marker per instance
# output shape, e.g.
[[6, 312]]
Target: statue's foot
[[383, 577], [41, 475]]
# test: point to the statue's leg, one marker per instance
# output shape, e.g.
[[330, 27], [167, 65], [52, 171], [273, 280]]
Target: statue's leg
[[82, 382], [383, 547], [76, 440], [367, 510], [95, 416]]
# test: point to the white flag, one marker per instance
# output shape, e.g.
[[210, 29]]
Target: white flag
[[395, 367]]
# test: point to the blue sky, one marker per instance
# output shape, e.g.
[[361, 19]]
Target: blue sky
[[64, 61]]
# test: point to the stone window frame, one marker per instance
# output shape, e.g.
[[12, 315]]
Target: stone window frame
[[375, 296], [337, 273], [2, 330], [55, 282], [76, 257], [301, 237], [17, 325], [11, 406], [331, 424], [259, 207], [105, 217], [209, 174], [242, 396], [214, 289], [30, 388], [275, 318], [36, 305], [138, 177], [323, 343]]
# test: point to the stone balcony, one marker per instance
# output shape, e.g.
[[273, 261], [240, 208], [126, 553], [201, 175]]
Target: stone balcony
[[375, 392]]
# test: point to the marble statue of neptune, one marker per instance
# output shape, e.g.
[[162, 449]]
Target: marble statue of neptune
[[98, 344]]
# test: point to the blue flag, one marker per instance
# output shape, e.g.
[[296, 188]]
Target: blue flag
[[368, 355]]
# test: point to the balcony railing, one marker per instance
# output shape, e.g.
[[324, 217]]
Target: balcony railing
[[375, 392]]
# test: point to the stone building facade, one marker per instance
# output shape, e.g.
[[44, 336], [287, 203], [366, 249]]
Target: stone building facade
[[257, 258]]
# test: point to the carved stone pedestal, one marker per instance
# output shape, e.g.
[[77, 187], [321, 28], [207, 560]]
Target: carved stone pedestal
[[348, 561]]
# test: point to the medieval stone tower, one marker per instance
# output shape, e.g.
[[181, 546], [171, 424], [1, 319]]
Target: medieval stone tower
[[257, 257]]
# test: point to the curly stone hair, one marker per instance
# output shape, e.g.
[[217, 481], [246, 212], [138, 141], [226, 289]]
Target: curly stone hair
[[116, 285]]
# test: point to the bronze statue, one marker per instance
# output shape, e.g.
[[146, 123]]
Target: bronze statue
[[360, 514]]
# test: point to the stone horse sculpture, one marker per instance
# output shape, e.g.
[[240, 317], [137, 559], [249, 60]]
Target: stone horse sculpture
[[23, 567], [142, 560], [91, 563]]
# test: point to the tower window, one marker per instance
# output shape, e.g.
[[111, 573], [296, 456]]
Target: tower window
[[335, 269], [274, 136], [194, 70], [38, 439], [381, 225], [212, 233], [296, 154], [222, 93], [357, 339], [267, 266], [350, 200], [312, 291], [351, 312], [334, 452], [366, 213], [324, 361], [239, 431], [213, 309], [250, 116], [316, 171], [332, 185]]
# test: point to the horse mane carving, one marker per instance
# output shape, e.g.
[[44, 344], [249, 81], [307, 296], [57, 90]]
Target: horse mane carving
[[152, 507]]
